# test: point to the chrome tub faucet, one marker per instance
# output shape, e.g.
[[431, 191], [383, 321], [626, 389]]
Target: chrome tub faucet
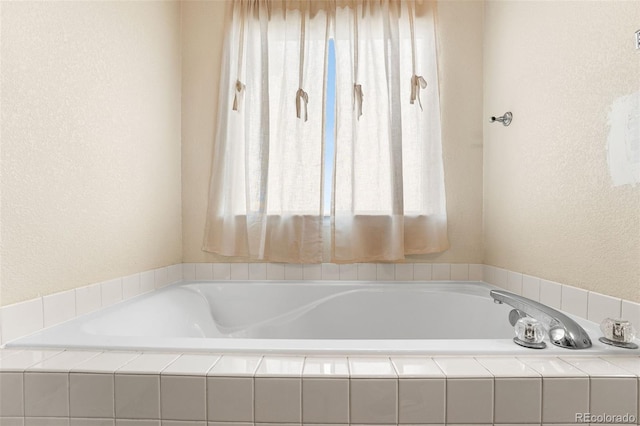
[[563, 331]]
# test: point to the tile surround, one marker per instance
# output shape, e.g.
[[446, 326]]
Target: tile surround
[[134, 388], [75, 387], [27, 317]]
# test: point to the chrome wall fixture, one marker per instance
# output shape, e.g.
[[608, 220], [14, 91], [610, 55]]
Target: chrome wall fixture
[[505, 119]]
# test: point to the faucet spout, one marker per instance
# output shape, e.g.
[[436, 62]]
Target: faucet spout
[[563, 331]]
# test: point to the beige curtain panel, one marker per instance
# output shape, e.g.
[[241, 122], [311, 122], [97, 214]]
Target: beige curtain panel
[[335, 100]]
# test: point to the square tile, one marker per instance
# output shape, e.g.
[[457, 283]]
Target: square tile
[[230, 399], [275, 271], [91, 395], [137, 396], [518, 400], [46, 394], [182, 423], [501, 277], [614, 396], [281, 366], [514, 282], [20, 319], [293, 272], [374, 401], [148, 363], [417, 368], [59, 307], [563, 398], [183, 397], [601, 307], [422, 272], [475, 272], [330, 272], [531, 287], [469, 401], [488, 274], [11, 394], [325, 400], [631, 312], [552, 367], [161, 277], [111, 291], [174, 273], [128, 422], [189, 271], [106, 362], [327, 367], [7, 352], [462, 367], [441, 272], [258, 271], [460, 272], [378, 367], [19, 361], [147, 281], [506, 367], [221, 271], [239, 271], [404, 272], [348, 272], [204, 272], [421, 401], [278, 400], [131, 286], [312, 272], [385, 272], [550, 293], [63, 362], [191, 365], [367, 271], [236, 366], [574, 300], [629, 363], [597, 367]]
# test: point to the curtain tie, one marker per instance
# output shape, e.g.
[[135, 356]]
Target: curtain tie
[[301, 96], [357, 96], [237, 98], [417, 82]]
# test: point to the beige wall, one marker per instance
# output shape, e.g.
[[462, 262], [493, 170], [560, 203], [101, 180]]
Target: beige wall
[[460, 39], [90, 175], [550, 207], [91, 182]]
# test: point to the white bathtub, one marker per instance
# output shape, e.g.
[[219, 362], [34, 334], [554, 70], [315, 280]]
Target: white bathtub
[[305, 317]]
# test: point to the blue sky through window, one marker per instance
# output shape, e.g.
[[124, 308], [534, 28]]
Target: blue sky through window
[[330, 114]]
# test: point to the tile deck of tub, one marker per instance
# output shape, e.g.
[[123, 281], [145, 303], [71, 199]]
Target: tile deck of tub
[[91, 388], [113, 388]]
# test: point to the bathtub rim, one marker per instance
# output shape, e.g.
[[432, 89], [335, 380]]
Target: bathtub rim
[[314, 347]]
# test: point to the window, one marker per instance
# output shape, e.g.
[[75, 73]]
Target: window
[[330, 109], [329, 126]]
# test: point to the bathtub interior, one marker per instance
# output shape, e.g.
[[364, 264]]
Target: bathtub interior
[[309, 311], [309, 317]]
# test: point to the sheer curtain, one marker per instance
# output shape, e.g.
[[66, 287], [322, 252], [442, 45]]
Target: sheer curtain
[[266, 193]]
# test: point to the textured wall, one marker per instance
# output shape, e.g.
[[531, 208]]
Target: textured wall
[[460, 40], [550, 207], [90, 142]]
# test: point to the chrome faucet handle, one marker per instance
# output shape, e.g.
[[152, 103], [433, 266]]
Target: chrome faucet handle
[[504, 119], [563, 331]]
